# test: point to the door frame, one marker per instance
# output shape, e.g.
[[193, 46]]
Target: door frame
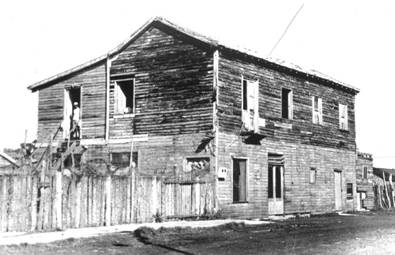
[[339, 172], [233, 157], [276, 203]]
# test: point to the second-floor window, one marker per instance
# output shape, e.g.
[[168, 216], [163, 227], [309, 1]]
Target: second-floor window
[[317, 109], [250, 105], [365, 172], [124, 97], [286, 104], [343, 117]]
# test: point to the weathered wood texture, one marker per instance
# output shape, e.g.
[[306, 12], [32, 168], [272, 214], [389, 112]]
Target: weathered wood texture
[[84, 201], [173, 86], [271, 82], [51, 103], [300, 196]]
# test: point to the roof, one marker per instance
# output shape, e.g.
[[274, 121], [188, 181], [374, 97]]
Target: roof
[[212, 43], [8, 158]]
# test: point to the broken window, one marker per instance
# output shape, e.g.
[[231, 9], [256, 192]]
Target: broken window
[[122, 159], [313, 175], [250, 105], [349, 191], [287, 104], [317, 109], [343, 117], [124, 96], [365, 172], [239, 180], [197, 165]]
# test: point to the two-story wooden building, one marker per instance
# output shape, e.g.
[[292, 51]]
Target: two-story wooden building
[[276, 138]]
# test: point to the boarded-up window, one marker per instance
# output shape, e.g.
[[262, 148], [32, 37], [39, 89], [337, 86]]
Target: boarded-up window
[[239, 180], [122, 159], [317, 109], [250, 104], [365, 172], [197, 165], [313, 175], [124, 98], [349, 191], [287, 104], [343, 117]]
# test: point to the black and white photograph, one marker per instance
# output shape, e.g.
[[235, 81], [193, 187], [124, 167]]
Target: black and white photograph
[[197, 127]]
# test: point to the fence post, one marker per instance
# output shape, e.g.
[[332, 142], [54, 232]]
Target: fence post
[[58, 199], [34, 204], [133, 196], [154, 196], [108, 200], [197, 196], [77, 201]]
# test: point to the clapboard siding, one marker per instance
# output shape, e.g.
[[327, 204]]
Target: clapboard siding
[[270, 84], [93, 90], [173, 86]]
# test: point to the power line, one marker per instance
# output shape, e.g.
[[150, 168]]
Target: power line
[[286, 30]]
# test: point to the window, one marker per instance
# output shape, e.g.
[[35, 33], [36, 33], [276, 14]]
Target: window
[[317, 109], [343, 117], [239, 180], [287, 104], [313, 175], [365, 172], [68, 162], [250, 105], [124, 97], [349, 191], [122, 159]]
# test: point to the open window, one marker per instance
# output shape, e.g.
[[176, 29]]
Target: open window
[[349, 191], [239, 180], [343, 117], [250, 105], [286, 104], [365, 172], [124, 96], [122, 159], [317, 109]]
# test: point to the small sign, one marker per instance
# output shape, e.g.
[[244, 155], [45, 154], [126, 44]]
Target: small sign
[[222, 172]]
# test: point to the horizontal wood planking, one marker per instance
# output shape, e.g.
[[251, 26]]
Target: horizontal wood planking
[[299, 195], [51, 103], [173, 86], [270, 84]]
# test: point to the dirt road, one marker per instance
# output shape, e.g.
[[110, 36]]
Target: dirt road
[[363, 234]]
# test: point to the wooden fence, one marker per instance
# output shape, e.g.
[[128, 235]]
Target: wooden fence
[[62, 201]]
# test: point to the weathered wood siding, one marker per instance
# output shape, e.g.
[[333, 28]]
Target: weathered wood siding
[[270, 84], [173, 86], [300, 196], [365, 185], [51, 103]]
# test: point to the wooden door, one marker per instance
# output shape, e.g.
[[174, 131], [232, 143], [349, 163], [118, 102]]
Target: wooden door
[[338, 190], [275, 189]]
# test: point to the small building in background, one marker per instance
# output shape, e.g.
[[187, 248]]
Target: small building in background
[[364, 180]]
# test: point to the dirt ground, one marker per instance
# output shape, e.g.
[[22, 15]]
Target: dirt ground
[[372, 233]]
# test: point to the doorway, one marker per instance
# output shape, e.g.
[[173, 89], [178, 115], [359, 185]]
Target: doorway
[[338, 190], [276, 185], [72, 100]]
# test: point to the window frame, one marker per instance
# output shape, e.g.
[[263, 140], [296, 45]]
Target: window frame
[[246, 179], [349, 186], [317, 110], [343, 116], [250, 122], [289, 100], [365, 173], [118, 89]]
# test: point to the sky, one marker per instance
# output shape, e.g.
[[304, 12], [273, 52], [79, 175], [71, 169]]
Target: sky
[[352, 41]]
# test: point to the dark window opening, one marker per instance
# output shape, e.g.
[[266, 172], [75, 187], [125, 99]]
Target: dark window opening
[[68, 162], [270, 182], [75, 95], [127, 88], [239, 180], [122, 159], [365, 172], [349, 191], [278, 181], [245, 94], [286, 102]]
